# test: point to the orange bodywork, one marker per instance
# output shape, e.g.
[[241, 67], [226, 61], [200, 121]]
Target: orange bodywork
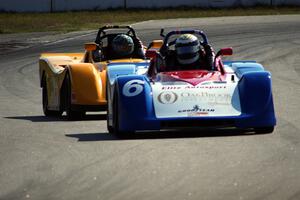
[[88, 78], [88, 84]]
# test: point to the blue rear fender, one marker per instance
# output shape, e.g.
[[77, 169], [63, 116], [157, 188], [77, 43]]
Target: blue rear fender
[[136, 110], [256, 99]]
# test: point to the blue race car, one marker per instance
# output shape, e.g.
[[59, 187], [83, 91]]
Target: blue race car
[[217, 94]]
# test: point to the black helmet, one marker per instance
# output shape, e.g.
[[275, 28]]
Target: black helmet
[[123, 45]]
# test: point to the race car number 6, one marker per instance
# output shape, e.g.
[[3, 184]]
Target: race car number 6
[[133, 88]]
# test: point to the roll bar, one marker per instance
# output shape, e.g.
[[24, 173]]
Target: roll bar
[[101, 31], [179, 32]]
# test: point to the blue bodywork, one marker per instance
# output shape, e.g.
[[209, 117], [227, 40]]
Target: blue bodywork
[[126, 68], [137, 112]]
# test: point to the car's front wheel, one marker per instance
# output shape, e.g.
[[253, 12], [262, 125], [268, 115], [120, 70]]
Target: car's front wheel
[[71, 114], [116, 119], [109, 111], [47, 112], [115, 114]]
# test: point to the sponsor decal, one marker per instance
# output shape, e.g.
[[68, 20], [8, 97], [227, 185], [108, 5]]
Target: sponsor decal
[[206, 87], [220, 82], [133, 88], [212, 98], [167, 97], [171, 88], [193, 87], [197, 111]]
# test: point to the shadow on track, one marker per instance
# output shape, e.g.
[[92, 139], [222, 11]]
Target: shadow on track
[[89, 137], [42, 118]]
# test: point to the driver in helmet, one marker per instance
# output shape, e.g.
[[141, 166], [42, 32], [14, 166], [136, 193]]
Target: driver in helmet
[[124, 46], [189, 54]]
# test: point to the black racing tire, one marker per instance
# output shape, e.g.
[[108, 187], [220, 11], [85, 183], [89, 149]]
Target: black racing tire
[[108, 98], [47, 112], [115, 112], [70, 113], [264, 130], [109, 128], [116, 119]]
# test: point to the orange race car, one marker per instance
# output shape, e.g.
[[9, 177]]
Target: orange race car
[[76, 82]]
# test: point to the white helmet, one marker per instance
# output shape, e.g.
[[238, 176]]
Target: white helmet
[[187, 49]]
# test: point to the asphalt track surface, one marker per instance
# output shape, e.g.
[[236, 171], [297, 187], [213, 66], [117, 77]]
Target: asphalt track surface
[[48, 158]]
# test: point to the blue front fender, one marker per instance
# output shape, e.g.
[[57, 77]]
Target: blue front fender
[[256, 99], [136, 110]]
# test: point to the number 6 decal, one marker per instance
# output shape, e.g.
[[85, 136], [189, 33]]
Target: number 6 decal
[[133, 88]]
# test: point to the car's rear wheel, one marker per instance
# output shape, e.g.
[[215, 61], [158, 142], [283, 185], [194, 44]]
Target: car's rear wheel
[[47, 112], [71, 114], [264, 130]]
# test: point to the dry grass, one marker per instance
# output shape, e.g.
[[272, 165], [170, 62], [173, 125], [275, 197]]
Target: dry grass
[[85, 20]]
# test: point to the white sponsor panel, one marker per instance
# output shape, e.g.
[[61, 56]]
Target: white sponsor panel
[[206, 99]]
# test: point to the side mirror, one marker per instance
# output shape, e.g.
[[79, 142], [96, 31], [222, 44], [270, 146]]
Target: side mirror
[[150, 53], [225, 52], [90, 46]]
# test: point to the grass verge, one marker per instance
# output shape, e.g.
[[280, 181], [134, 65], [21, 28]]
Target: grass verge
[[85, 20]]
